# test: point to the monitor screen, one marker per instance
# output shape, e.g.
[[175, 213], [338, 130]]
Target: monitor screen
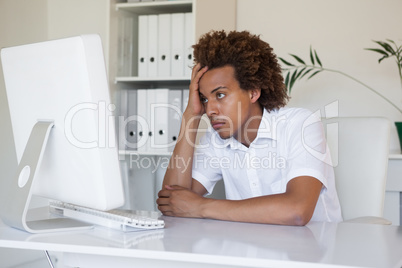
[[65, 81]]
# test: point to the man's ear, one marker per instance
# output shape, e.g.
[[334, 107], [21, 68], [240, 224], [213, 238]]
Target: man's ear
[[255, 94]]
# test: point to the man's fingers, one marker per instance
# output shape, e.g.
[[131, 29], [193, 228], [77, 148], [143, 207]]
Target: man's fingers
[[162, 201], [163, 209], [195, 70], [164, 193], [198, 72]]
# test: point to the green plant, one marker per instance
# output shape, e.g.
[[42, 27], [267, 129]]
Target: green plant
[[390, 49], [296, 71]]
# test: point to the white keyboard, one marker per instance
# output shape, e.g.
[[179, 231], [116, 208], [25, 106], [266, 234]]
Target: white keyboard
[[125, 221]]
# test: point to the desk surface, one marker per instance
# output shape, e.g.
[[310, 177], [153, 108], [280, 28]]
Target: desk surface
[[210, 242]]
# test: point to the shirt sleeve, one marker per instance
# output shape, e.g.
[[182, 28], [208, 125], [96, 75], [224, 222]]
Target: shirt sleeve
[[308, 153]]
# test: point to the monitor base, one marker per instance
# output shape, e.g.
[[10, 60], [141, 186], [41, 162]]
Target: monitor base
[[19, 189]]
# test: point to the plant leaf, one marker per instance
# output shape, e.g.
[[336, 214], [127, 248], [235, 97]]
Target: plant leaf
[[309, 70], [317, 58], [386, 46], [287, 81], [389, 48], [311, 56], [300, 72], [378, 51], [286, 62], [384, 57], [391, 41], [396, 46], [292, 80], [298, 59], [316, 72]]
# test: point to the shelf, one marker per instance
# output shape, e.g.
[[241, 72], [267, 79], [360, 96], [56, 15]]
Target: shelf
[[155, 82], [156, 7], [151, 79], [131, 152]]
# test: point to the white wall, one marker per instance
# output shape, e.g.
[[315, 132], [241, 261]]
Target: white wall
[[339, 31], [23, 21], [76, 17]]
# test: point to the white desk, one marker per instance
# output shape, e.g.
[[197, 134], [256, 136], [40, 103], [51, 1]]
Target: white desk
[[209, 243]]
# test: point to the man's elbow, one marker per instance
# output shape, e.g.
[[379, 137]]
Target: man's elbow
[[301, 216]]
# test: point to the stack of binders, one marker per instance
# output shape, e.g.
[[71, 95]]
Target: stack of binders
[[153, 119], [164, 45]]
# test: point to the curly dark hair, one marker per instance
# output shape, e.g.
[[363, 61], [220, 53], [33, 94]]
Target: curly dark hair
[[255, 64]]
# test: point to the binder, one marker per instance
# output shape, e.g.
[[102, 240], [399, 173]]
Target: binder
[[160, 120], [124, 48], [131, 121], [150, 101], [143, 45], [152, 45], [142, 117], [174, 115], [177, 51], [188, 43], [164, 45], [122, 96]]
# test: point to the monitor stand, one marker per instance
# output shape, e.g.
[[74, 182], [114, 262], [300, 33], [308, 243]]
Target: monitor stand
[[19, 190]]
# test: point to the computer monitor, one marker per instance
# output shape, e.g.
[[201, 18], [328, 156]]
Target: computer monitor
[[63, 127]]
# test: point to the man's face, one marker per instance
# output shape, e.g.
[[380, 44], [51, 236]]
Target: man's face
[[228, 107]]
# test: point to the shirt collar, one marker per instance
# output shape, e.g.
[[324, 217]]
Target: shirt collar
[[265, 131]]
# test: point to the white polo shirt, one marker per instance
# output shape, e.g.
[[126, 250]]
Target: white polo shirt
[[290, 143]]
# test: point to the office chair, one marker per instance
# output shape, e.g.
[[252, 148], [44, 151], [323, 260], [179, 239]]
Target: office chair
[[359, 150]]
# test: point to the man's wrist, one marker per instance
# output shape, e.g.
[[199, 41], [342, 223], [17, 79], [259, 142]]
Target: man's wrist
[[191, 117], [205, 207]]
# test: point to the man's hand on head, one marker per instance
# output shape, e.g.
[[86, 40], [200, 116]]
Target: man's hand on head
[[194, 103]]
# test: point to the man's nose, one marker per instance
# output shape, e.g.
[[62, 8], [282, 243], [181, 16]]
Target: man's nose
[[211, 108]]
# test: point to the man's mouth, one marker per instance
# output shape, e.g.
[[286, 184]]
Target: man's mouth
[[217, 124]]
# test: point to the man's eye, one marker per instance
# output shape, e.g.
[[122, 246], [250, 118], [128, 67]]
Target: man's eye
[[220, 95]]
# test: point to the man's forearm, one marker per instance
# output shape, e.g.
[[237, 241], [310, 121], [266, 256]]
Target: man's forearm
[[180, 165], [294, 207], [274, 209], [266, 209]]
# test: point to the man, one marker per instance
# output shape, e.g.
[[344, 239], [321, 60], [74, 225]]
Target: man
[[260, 149]]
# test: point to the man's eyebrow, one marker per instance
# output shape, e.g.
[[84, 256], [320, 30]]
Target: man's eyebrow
[[214, 90]]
